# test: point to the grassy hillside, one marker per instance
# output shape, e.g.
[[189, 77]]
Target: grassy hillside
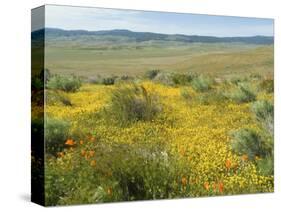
[[223, 59], [254, 61], [122, 52]]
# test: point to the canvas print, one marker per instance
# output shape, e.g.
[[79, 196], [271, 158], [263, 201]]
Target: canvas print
[[138, 105]]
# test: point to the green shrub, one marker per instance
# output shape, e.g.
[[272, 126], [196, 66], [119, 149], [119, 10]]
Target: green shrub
[[137, 171], [132, 103], [56, 133], [267, 85], [264, 113], [145, 171], [249, 142], [66, 83], [214, 96], [190, 76], [151, 74], [183, 79], [201, 83], [211, 97], [109, 80], [266, 165], [243, 93]]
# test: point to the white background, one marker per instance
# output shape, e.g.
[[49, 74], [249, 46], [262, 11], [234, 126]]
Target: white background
[[15, 103]]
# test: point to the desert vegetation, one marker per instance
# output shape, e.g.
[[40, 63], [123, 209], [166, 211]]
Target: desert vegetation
[[154, 121]]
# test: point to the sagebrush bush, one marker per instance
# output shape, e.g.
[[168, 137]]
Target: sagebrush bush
[[190, 76], [144, 171], [242, 93], [133, 103], [56, 133], [264, 113], [151, 74], [66, 83], [249, 142], [109, 80], [267, 85], [183, 79], [201, 83]]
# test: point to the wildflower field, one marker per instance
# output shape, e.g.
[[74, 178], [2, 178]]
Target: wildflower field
[[170, 106], [160, 135]]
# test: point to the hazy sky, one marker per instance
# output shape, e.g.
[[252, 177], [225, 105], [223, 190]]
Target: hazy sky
[[67, 17]]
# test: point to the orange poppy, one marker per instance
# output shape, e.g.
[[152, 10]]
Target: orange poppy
[[184, 181], [206, 186], [220, 187], [81, 142], [91, 153], [92, 138], [228, 164], [69, 142]]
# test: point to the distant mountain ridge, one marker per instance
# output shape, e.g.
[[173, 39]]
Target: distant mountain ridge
[[147, 36]]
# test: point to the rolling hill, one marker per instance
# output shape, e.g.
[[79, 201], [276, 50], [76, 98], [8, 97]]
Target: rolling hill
[[148, 36], [123, 52]]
